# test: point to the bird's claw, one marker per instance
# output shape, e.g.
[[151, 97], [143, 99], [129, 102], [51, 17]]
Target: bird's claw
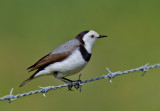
[[77, 84], [70, 85]]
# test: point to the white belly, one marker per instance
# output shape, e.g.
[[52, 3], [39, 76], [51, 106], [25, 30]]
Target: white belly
[[71, 65]]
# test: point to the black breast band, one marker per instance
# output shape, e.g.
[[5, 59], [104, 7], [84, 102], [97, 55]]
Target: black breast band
[[86, 56]]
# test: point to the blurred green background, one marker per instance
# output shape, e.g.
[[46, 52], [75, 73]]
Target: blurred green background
[[29, 29]]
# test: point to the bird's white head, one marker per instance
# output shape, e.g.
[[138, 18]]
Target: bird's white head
[[88, 38]]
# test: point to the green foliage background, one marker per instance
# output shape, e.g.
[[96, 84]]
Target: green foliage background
[[31, 28]]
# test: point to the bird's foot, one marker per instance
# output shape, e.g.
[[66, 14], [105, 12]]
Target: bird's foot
[[77, 84], [70, 85]]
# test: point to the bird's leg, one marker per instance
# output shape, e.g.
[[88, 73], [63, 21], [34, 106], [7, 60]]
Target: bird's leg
[[76, 84], [67, 81], [70, 83]]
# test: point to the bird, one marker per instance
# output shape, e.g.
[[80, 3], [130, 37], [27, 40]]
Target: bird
[[68, 59]]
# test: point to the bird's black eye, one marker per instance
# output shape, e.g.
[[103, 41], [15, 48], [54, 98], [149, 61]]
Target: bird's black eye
[[92, 36]]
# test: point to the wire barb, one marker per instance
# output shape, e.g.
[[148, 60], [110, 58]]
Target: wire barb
[[145, 69], [10, 97], [44, 90], [110, 75]]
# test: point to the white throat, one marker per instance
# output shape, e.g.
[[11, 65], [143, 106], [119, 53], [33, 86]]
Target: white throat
[[88, 47]]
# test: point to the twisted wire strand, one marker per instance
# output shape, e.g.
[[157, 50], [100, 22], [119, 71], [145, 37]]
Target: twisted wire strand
[[110, 75]]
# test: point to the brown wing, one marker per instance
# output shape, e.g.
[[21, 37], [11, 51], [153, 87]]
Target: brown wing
[[49, 59], [57, 55]]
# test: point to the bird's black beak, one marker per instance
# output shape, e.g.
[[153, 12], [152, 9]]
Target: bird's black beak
[[101, 36]]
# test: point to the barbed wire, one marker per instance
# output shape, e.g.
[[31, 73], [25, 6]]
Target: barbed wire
[[110, 75]]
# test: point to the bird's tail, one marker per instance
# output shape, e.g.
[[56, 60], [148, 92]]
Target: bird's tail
[[27, 80]]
